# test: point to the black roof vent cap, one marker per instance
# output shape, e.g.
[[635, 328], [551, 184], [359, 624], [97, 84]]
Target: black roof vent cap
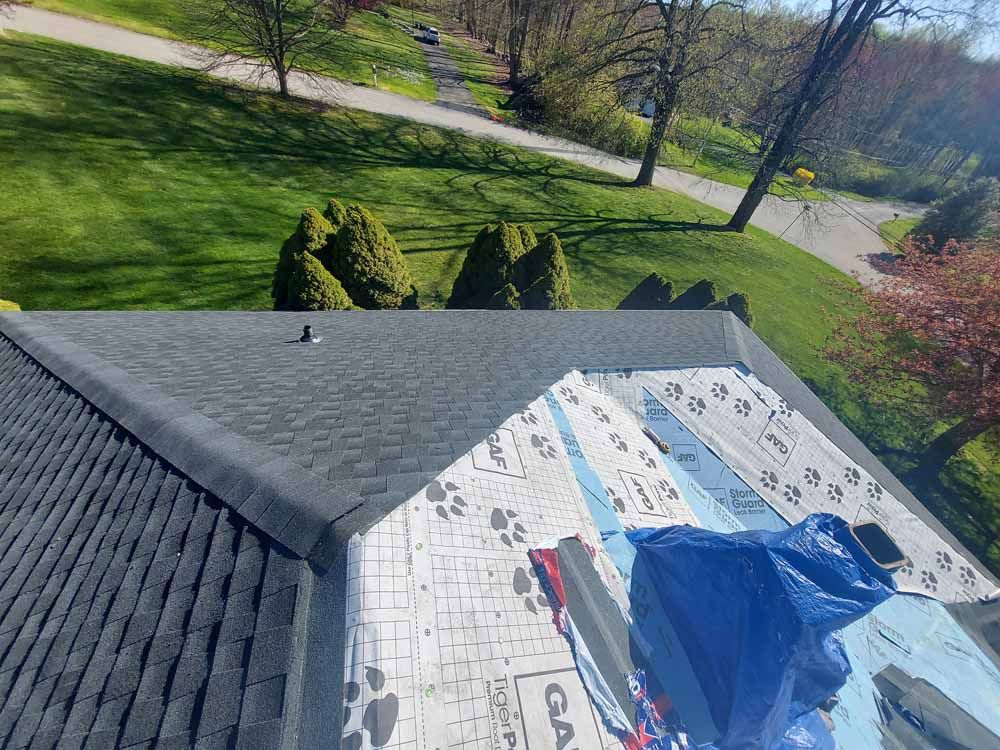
[[307, 336]]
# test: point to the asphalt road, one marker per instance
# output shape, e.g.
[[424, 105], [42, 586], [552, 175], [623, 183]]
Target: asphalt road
[[841, 233]]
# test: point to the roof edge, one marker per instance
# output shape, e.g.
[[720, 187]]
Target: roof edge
[[277, 496]]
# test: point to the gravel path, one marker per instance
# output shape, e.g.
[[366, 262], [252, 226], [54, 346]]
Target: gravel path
[[451, 89], [841, 233]]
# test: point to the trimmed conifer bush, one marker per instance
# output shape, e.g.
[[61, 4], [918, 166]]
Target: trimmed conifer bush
[[652, 293], [488, 265], [8, 306], [368, 263], [335, 213], [506, 298], [698, 296], [543, 277], [738, 303], [312, 287], [528, 238], [310, 236]]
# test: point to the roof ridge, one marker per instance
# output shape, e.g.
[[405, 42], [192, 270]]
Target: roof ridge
[[277, 496]]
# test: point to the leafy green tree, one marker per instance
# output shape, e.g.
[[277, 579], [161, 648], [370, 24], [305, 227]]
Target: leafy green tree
[[310, 236], [368, 263], [652, 293], [967, 214], [312, 287]]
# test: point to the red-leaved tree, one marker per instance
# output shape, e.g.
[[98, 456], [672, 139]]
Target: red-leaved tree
[[929, 338]]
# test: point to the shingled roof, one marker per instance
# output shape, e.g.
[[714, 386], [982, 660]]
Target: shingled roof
[[176, 487]]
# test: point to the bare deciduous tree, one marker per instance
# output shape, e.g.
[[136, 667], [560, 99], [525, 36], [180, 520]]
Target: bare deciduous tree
[[834, 39], [680, 56], [269, 37]]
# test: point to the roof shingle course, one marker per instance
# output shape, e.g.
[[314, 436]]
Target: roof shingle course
[[131, 600]]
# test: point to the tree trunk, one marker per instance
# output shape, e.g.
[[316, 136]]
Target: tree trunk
[[657, 131], [932, 461], [781, 149], [282, 80]]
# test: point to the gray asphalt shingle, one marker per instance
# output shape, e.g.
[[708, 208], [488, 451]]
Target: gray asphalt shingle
[[131, 599]]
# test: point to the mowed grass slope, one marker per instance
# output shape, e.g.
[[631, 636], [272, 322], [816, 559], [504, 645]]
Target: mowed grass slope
[[367, 38], [131, 185]]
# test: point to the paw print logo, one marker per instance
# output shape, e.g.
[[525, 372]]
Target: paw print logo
[[793, 494], [720, 391], [544, 446], [437, 493], [875, 491], [615, 499], [812, 477], [944, 561], [769, 479], [667, 489], [835, 492], [529, 418], [966, 575], [616, 440], [567, 393], [379, 717], [647, 459], [742, 407], [601, 414], [852, 476], [510, 530], [697, 405], [674, 391], [784, 409], [524, 585], [928, 580], [625, 374], [907, 569]]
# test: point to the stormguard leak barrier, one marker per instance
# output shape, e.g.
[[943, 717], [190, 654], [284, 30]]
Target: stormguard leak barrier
[[757, 613]]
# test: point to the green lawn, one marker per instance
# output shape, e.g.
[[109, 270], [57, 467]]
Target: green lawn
[[479, 72], [135, 186], [721, 158], [894, 230], [368, 38]]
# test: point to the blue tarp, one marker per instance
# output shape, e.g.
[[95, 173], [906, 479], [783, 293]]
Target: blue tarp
[[757, 614]]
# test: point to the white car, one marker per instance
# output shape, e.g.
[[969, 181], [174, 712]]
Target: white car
[[431, 35]]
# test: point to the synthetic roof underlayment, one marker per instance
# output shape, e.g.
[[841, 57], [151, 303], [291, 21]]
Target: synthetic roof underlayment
[[450, 641]]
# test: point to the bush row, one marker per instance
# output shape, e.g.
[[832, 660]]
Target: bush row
[[657, 293]]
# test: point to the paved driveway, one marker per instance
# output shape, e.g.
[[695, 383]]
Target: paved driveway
[[843, 233]]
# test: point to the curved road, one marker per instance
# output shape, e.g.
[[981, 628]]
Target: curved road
[[839, 233]]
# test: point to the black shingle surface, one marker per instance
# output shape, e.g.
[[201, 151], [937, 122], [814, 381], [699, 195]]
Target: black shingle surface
[[386, 400], [133, 605]]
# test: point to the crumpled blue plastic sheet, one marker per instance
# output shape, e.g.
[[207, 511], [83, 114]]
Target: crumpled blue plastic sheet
[[757, 613]]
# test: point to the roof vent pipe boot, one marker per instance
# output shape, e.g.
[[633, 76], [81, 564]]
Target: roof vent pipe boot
[[307, 336]]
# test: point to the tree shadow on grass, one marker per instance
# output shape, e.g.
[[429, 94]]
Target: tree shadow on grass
[[88, 108]]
